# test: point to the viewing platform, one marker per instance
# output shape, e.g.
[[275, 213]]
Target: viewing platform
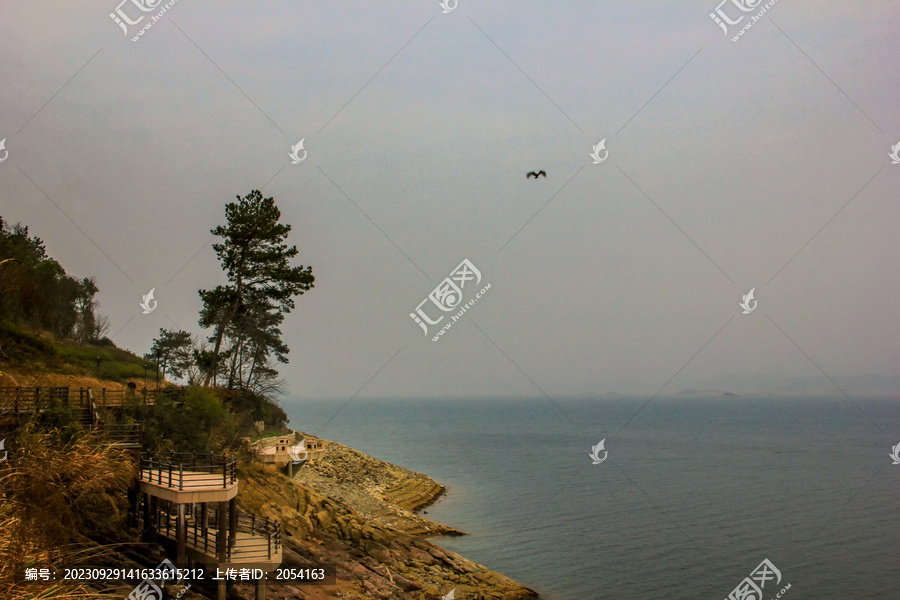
[[190, 507], [189, 478], [254, 542]]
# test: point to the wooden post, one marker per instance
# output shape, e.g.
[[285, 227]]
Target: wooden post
[[221, 540], [154, 518], [132, 516], [146, 524], [221, 591], [204, 529], [180, 536], [261, 588], [232, 522]]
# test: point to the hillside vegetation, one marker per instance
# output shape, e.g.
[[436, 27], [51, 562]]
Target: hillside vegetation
[[65, 491]]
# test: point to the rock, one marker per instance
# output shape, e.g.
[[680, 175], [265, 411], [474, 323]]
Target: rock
[[421, 557], [373, 554]]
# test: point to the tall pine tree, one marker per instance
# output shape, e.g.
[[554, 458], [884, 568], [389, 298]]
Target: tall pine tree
[[261, 282]]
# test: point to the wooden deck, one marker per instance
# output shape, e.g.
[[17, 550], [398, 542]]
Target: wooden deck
[[249, 551], [186, 486], [246, 541]]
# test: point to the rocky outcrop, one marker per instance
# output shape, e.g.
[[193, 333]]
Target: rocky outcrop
[[386, 494], [372, 560]]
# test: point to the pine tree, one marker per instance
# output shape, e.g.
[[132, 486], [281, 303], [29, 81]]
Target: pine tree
[[261, 281]]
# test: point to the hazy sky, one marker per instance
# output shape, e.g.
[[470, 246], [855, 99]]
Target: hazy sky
[[761, 163]]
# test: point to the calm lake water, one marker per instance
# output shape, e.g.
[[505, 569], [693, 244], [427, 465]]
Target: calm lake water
[[694, 494]]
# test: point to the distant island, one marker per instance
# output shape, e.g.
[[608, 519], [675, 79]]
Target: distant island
[[708, 393]]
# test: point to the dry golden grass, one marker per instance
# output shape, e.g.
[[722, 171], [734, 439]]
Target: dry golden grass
[[50, 494], [29, 378]]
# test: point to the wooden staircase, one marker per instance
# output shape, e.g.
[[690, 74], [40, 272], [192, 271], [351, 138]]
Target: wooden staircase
[[190, 506]]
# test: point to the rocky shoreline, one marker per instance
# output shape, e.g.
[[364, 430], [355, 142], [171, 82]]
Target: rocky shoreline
[[384, 493], [356, 512]]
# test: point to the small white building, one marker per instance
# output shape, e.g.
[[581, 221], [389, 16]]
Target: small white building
[[285, 449]]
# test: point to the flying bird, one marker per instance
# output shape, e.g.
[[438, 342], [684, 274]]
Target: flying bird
[[536, 175]]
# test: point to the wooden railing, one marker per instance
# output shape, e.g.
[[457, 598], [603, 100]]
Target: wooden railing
[[169, 469], [120, 434], [113, 398], [22, 401], [26, 400], [262, 541]]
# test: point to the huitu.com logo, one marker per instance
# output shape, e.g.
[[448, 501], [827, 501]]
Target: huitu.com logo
[[121, 18], [295, 451], [895, 153], [148, 298], [895, 453], [751, 588], [6, 152], [595, 452], [746, 303], [151, 589], [723, 20], [3, 453], [448, 296], [295, 152], [448, 5], [601, 146]]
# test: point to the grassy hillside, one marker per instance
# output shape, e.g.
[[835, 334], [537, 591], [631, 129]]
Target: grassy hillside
[[29, 357]]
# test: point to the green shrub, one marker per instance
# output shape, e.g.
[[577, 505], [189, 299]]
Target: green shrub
[[197, 422]]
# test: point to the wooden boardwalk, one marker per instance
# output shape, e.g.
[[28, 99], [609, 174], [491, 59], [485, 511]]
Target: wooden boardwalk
[[191, 501], [24, 400]]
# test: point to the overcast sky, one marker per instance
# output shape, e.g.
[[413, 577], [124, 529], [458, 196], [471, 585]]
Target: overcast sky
[[761, 163]]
